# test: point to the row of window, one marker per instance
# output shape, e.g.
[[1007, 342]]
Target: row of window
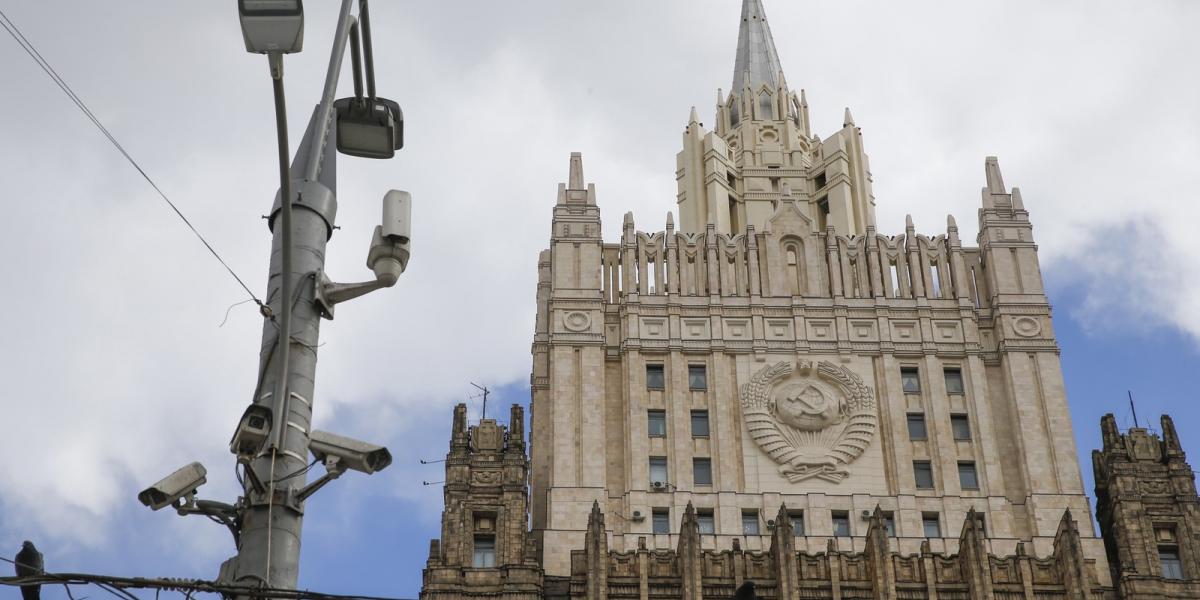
[[968, 478], [656, 378], [701, 471], [960, 425], [931, 524], [910, 380], [922, 472], [656, 423]]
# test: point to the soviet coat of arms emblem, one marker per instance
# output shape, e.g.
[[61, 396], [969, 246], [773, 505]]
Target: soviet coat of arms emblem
[[812, 419]]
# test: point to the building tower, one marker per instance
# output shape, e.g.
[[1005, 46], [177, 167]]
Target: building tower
[[484, 548], [1148, 512], [776, 349], [761, 144]]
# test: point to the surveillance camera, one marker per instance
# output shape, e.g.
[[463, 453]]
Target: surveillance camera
[[252, 431], [353, 454], [397, 215], [174, 486]]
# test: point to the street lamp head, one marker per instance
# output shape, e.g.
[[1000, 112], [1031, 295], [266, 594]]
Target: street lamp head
[[272, 25], [369, 127]]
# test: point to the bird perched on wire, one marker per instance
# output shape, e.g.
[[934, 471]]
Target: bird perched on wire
[[29, 563], [745, 592]]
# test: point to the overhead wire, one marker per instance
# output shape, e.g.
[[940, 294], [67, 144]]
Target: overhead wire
[[49, 70], [118, 586]]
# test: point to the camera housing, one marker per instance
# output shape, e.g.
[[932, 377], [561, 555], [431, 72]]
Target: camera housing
[[390, 249], [252, 432], [397, 216], [183, 482], [349, 453]]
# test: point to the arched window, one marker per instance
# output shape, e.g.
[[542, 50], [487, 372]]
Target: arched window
[[766, 106], [793, 253]]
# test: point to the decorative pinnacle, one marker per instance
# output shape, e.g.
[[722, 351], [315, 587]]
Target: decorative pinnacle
[[951, 224], [803, 98], [995, 181], [908, 225], [848, 120], [670, 220], [575, 181], [693, 118]]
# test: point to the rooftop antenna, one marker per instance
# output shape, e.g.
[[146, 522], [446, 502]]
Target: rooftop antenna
[[485, 395], [1132, 408]]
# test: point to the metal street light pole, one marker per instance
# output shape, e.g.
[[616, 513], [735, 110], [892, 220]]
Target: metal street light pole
[[275, 436], [273, 514]]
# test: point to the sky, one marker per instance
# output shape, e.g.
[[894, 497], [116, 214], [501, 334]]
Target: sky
[[119, 363]]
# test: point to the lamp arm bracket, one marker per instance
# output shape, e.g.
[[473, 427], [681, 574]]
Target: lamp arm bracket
[[328, 294]]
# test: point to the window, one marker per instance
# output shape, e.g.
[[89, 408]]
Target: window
[[660, 520], [656, 423], [699, 423], [655, 380], [910, 380], [705, 519], [967, 477], [841, 523], [822, 213], [697, 377], [1172, 567], [797, 518], [932, 525], [485, 551], [819, 181], [916, 426], [658, 470], [961, 426], [889, 524], [702, 471], [750, 522], [954, 381], [923, 474]]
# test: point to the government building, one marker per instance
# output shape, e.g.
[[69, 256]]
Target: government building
[[766, 387]]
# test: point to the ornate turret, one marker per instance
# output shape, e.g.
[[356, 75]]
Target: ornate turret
[[1148, 512], [733, 177], [484, 546]]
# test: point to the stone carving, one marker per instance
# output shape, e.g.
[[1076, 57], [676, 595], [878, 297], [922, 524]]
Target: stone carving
[[577, 321], [812, 419], [485, 477], [1026, 326]]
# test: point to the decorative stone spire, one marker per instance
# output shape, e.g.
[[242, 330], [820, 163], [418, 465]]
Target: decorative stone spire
[[757, 61], [575, 181]]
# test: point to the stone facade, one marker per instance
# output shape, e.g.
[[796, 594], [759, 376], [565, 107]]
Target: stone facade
[[484, 548], [777, 392], [1148, 511]]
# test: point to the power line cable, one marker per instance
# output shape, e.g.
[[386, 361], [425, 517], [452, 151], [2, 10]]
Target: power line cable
[[37, 57]]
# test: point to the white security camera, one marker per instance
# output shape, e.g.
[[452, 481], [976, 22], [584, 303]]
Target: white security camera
[[397, 215], [252, 431], [388, 256], [174, 486], [349, 453]]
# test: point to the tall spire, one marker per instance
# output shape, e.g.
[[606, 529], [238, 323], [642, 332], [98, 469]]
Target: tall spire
[[756, 55]]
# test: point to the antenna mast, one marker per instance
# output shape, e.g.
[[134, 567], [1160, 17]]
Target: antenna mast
[[1132, 408], [485, 395]]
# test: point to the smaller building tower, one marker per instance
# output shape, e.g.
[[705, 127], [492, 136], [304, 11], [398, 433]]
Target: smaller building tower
[[1148, 511], [485, 546]]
